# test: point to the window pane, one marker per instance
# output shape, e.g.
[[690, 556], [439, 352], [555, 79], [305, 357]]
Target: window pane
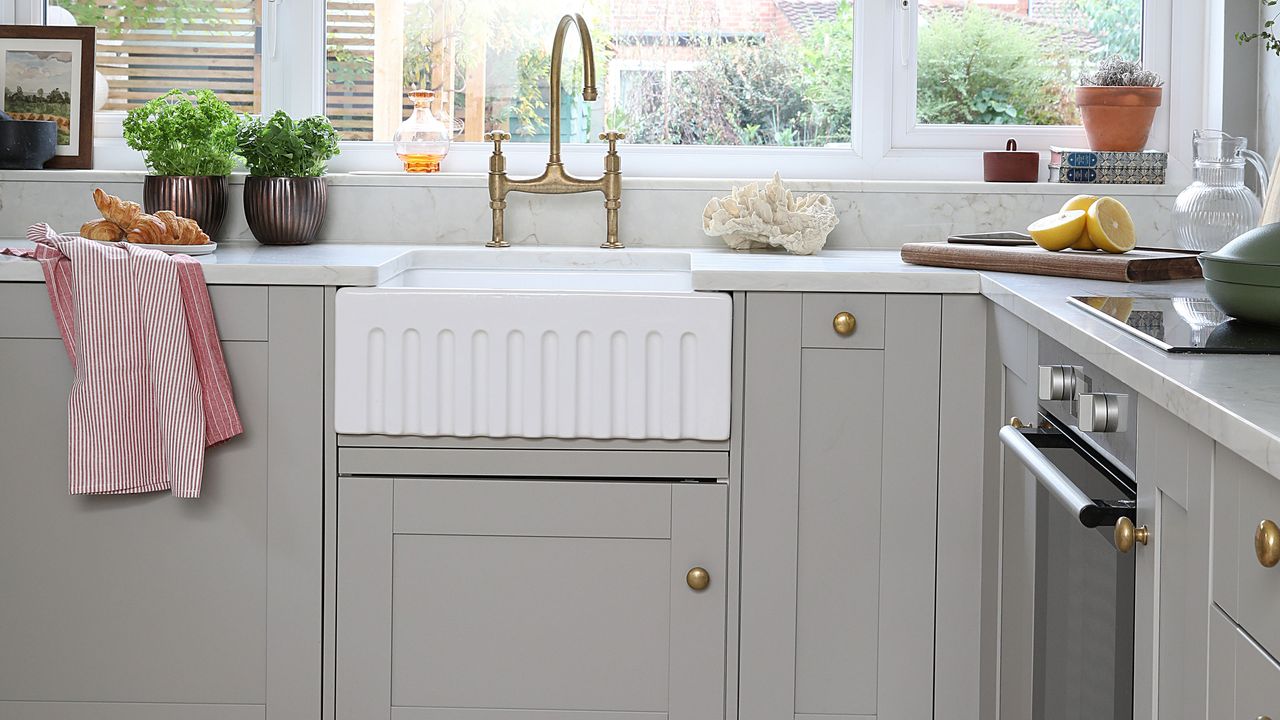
[[758, 72], [1015, 62], [147, 47]]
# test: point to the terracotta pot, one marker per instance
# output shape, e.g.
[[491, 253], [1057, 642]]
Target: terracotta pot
[[284, 210], [1118, 119], [201, 198]]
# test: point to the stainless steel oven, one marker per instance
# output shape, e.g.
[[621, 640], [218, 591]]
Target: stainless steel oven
[[1081, 450]]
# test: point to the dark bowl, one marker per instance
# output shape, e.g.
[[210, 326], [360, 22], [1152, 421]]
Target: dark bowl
[[27, 144]]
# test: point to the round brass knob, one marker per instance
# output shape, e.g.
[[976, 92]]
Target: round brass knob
[[698, 578], [1016, 423], [1126, 534], [844, 323], [1266, 543]]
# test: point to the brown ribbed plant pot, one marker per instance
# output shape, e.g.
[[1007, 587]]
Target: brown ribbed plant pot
[[1119, 118], [285, 210], [202, 198]]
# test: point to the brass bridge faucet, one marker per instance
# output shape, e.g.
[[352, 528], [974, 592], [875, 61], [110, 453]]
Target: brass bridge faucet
[[555, 180]]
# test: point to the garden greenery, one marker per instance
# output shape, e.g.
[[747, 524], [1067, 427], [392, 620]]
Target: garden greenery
[[974, 66], [280, 147], [184, 133], [1270, 40]]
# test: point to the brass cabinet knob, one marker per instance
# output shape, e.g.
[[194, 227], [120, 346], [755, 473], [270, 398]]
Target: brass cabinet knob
[[698, 578], [844, 323], [1126, 534], [1266, 543], [1016, 423]]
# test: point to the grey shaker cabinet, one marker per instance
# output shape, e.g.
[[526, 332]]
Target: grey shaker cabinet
[[148, 607], [839, 507], [470, 599]]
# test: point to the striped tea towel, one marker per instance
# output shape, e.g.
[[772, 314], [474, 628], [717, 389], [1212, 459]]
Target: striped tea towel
[[151, 389]]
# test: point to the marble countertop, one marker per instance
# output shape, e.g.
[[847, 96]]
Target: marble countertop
[[1235, 399]]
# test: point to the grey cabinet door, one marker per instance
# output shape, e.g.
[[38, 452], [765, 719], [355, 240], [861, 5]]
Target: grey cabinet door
[[840, 483], [149, 607], [474, 598]]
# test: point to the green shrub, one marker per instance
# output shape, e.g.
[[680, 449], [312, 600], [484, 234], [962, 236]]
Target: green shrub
[[184, 133], [979, 67], [827, 71]]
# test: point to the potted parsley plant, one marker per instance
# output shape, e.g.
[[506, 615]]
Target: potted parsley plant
[[285, 196], [188, 139]]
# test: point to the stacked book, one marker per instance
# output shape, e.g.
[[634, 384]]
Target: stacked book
[[1069, 165]]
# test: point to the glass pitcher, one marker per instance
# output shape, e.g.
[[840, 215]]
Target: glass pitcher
[[1217, 206]]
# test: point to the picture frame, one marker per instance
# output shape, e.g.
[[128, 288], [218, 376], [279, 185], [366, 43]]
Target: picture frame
[[57, 66]]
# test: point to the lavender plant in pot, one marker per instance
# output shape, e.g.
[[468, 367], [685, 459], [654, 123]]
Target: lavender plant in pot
[[285, 196], [1118, 104], [188, 139]]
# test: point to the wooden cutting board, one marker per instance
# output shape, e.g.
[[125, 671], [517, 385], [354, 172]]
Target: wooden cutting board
[[1133, 266]]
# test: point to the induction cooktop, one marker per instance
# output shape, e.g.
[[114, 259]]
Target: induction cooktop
[[1183, 324]]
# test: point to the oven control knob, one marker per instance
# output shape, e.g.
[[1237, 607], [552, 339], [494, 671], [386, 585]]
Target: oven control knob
[[1101, 412], [1058, 382]]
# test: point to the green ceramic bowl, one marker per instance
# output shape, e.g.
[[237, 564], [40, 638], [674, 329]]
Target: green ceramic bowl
[[1252, 303], [1253, 258]]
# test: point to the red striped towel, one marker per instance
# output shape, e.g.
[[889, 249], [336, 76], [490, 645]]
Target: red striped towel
[[151, 389]]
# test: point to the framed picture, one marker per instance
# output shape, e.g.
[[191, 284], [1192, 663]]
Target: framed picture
[[47, 73]]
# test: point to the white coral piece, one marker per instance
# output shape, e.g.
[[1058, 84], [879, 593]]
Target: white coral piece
[[756, 216]]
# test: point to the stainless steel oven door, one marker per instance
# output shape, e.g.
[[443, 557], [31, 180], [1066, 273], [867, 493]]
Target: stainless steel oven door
[[1084, 588]]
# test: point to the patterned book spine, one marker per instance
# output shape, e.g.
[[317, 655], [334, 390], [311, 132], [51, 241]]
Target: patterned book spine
[[1131, 175], [1067, 157]]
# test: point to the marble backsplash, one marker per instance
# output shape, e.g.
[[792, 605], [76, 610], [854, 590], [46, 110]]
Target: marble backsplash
[[454, 209]]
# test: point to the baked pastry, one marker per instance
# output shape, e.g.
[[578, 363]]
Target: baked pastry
[[182, 231], [103, 230], [149, 230], [121, 212]]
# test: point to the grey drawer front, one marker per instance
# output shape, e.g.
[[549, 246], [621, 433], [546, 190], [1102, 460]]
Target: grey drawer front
[[820, 309], [241, 311], [603, 464]]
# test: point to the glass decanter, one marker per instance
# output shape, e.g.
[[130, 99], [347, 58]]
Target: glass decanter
[[423, 139], [1217, 206]]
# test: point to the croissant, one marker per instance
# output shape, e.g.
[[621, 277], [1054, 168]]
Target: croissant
[[149, 230], [103, 230], [182, 231], [121, 212]]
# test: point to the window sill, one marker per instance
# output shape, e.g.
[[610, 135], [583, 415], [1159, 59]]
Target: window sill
[[710, 185]]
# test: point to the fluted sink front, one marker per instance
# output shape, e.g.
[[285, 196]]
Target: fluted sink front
[[548, 344]]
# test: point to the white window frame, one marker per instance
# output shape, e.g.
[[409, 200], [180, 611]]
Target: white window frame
[[886, 142]]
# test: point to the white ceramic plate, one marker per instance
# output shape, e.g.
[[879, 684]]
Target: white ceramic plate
[[204, 249]]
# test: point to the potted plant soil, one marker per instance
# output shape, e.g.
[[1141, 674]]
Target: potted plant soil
[[285, 195], [1118, 104], [188, 139]]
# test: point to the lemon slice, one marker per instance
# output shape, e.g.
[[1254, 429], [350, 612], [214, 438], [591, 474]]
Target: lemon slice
[[1058, 232], [1110, 226], [1079, 202]]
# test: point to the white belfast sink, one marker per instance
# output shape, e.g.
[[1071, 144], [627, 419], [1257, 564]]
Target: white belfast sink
[[535, 344]]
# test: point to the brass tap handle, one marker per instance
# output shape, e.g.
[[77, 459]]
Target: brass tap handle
[[612, 137], [1126, 534], [497, 137], [1266, 543]]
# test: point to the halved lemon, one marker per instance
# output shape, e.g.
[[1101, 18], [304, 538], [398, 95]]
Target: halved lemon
[[1058, 232], [1110, 226], [1084, 243]]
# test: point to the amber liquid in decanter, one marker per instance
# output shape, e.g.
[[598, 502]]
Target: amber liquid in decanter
[[420, 162]]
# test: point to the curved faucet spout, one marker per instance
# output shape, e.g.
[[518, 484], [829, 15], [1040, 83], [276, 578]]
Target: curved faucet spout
[[588, 74]]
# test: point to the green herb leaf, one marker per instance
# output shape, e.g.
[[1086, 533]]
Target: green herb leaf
[[280, 147], [184, 133]]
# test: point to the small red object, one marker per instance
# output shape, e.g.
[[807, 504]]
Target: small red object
[[1011, 164]]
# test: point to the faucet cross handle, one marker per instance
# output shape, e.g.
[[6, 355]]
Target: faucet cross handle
[[612, 137], [497, 137]]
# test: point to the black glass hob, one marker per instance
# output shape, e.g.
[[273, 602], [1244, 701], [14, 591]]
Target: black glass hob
[[1183, 324]]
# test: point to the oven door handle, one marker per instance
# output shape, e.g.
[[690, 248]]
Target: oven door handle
[[1090, 512]]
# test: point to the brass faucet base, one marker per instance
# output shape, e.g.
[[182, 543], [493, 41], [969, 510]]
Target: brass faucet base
[[497, 244]]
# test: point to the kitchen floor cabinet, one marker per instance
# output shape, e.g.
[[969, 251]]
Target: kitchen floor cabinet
[[839, 505], [149, 607], [530, 598]]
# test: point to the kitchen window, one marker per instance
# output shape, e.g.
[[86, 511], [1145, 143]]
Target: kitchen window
[[906, 89]]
